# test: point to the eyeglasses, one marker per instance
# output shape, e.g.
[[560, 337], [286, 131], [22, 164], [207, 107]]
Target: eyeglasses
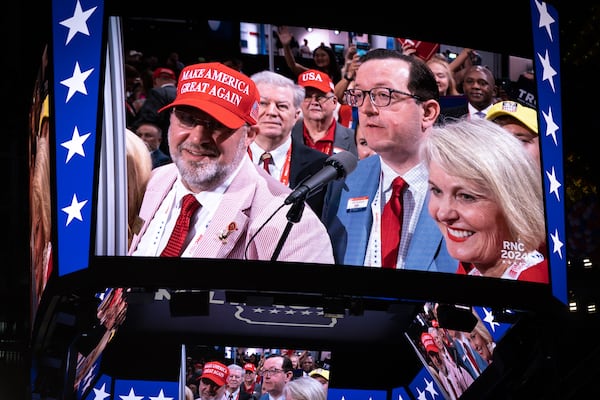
[[188, 121], [270, 372], [380, 96], [209, 382], [319, 98]]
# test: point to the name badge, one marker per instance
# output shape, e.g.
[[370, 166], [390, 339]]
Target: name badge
[[357, 204]]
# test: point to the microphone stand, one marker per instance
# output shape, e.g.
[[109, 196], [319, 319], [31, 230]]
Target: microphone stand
[[293, 215]]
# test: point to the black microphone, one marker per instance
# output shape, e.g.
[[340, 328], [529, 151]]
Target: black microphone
[[336, 167]]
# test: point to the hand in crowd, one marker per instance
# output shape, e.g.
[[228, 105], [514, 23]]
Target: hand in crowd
[[352, 61], [408, 48], [285, 36]]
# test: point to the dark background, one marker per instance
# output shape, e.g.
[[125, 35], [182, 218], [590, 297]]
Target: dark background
[[572, 342]]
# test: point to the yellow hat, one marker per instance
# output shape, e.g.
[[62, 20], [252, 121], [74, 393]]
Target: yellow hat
[[526, 115], [321, 372]]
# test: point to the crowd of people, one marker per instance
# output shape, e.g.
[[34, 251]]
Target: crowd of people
[[456, 358], [277, 376], [436, 187]]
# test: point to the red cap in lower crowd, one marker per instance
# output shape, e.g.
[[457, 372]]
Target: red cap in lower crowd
[[429, 343], [216, 372], [163, 72], [229, 96], [249, 367]]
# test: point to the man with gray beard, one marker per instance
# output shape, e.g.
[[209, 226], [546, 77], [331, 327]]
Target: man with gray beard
[[212, 201]]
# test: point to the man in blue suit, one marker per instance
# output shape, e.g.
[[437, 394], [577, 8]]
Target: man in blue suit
[[397, 100]]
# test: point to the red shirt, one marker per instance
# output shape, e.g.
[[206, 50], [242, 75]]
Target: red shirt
[[532, 273], [325, 144]]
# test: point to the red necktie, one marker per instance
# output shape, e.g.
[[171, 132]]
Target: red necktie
[[391, 225], [266, 160], [174, 246]]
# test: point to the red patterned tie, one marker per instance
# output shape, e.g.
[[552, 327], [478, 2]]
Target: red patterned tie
[[174, 246], [266, 160], [391, 225]]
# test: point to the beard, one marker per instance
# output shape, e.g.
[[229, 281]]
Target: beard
[[207, 175]]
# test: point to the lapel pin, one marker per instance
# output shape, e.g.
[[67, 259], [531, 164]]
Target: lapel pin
[[225, 232]]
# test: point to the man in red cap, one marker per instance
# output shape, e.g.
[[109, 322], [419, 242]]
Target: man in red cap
[[454, 378], [229, 207], [251, 384], [213, 378], [318, 127]]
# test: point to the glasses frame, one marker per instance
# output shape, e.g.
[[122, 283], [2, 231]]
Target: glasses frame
[[348, 94], [270, 372], [321, 99], [210, 124]]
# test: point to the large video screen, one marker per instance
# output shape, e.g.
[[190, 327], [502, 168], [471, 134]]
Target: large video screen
[[97, 218], [275, 259]]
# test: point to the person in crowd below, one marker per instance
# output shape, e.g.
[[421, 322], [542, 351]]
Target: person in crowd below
[[289, 159], [487, 199], [212, 382], [318, 127], [449, 95], [323, 57], [196, 371], [307, 363], [461, 63], [163, 92], [305, 388], [305, 51], [276, 372], [481, 340], [139, 169], [454, 378], [321, 375], [460, 348], [519, 120], [193, 389], [251, 384], [135, 94], [213, 121], [347, 115], [295, 358], [479, 86], [174, 63], [525, 89], [151, 134], [233, 390], [447, 351], [362, 146], [297, 369], [396, 96], [443, 75], [189, 393]]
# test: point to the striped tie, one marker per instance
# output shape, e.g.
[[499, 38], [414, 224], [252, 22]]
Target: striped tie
[[174, 246], [391, 225], [266, 160]]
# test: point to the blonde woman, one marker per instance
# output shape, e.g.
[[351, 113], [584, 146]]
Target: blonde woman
[[139, 168], [482, 342], [443, 75], [304, 388]]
